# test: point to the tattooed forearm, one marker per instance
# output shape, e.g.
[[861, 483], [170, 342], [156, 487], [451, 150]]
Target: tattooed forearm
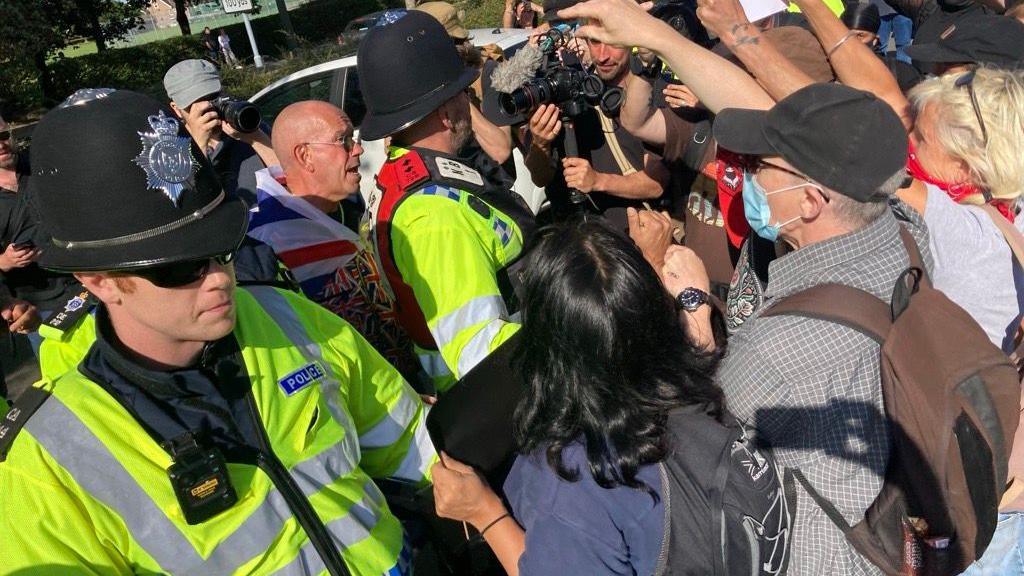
[[744, 33]]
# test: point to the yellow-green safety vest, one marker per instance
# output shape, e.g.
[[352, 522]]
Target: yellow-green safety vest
[[85, 490], [450, 254]]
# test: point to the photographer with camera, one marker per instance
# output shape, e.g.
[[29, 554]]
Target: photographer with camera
[[608, 166], [228, 131], [520, 14]]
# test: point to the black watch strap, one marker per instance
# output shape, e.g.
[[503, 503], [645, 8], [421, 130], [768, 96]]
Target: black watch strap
[[691, 299]]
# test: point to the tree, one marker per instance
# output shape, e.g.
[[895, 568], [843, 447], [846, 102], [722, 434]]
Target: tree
[[181, 15], [102, 20], [34, 31], [29, 36]]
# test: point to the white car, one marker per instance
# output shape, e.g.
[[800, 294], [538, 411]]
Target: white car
[[337, 82]]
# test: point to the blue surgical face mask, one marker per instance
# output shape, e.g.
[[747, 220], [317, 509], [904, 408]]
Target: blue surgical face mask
[[757, 210]]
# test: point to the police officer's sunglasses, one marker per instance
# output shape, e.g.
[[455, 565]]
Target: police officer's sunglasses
[[5, 135], [182, 273]]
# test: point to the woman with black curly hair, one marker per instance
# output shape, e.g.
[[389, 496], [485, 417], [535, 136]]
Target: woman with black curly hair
[[605, 357]]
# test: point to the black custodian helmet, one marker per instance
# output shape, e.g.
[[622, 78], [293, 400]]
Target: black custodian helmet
[[408, 67], [119, 184]]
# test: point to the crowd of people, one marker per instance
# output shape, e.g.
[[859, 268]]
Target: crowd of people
[[767, 320]]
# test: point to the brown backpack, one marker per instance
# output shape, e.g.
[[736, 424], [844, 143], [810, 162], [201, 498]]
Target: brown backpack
[[951, 401]]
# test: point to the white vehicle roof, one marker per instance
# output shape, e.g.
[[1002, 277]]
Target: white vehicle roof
[[503, 37]]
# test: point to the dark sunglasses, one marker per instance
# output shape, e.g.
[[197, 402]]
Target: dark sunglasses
[[182, 273], [968, 81], [5, 135]]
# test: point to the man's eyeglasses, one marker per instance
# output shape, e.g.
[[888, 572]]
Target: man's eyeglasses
[[181, 273], [347, 141], [968, 81], [5, 135], [756, 164]]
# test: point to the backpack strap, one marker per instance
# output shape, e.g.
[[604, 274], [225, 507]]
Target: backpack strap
[[826, 505], [916, 261], [840, 304], [1010, 232]]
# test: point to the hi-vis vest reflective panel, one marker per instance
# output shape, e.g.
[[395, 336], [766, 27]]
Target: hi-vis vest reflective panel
[[84, 489], [442, 249]]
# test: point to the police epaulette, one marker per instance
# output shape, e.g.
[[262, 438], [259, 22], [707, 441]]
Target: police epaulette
[[74, 310], [21, 410], [451, 172]]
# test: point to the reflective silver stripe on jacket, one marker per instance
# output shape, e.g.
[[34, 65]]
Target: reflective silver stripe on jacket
[[90, 463], [477, 310], [433, 364], [345, 532], [479, 346], [281, 311], [390, 429], [99, 473]]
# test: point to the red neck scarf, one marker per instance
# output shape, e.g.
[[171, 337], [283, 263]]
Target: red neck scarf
[[957, 191]]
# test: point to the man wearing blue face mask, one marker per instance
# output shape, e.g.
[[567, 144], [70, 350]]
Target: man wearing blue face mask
[[825, 163]]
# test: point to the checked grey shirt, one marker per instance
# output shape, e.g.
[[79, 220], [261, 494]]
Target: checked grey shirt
[[812, 388]]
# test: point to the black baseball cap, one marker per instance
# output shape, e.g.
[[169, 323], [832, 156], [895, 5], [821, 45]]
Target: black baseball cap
[[120, 185], [408, 67], [845, 139], [978, 39]]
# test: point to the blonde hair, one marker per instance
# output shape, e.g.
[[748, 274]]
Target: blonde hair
[[998, 166]]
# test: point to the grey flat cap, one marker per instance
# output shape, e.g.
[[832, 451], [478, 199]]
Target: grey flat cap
[[190, 80]]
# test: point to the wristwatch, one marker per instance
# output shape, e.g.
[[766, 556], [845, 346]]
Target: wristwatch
[[691, 299], [638, 68]]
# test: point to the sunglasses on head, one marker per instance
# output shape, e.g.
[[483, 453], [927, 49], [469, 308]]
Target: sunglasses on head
[[182, 273], [967, 80]]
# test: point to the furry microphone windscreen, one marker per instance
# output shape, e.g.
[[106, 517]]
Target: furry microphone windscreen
[[515, 71]]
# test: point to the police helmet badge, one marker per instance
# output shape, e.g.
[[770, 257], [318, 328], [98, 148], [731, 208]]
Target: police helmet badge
[[166, 157], [389, 17]]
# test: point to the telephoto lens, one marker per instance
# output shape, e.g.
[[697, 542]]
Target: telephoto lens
[[241, 115]]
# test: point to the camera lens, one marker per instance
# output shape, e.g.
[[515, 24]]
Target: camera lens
[[247, 116], [515, 103], [240, 114]]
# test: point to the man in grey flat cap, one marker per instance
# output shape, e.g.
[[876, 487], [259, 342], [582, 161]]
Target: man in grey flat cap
[[191, 86]]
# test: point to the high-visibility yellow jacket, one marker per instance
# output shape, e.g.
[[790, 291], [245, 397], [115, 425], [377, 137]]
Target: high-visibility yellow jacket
[[448, 246], [67, 337], [85, 489]]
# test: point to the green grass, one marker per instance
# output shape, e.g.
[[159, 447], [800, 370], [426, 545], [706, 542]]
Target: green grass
[[268, 9]]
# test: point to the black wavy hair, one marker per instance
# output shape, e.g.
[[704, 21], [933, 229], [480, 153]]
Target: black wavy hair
[[604, 354], [862, 16]]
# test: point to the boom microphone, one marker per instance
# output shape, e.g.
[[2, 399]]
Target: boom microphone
[[515, 71]]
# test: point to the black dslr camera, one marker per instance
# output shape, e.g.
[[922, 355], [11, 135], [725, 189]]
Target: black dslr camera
[[241, 115], [563, 82]]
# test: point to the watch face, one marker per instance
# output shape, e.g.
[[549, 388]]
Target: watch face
[[691, 299]]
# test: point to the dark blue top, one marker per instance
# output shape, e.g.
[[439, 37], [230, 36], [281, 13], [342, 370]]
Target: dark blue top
[[579, 527]]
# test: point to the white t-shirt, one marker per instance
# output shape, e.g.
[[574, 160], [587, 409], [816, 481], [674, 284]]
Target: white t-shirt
[[224, 40], [974, 265]]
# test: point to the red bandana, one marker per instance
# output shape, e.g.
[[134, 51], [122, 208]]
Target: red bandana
[[957, 191]]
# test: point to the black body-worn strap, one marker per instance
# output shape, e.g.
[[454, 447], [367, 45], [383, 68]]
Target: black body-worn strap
[[22, 409]]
